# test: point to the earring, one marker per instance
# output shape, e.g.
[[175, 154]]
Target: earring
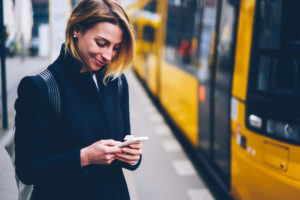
[[75, 36]]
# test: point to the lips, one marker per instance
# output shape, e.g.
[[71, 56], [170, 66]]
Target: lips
[[99, 62]]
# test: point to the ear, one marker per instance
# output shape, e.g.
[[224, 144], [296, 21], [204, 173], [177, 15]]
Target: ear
[[75, 32]]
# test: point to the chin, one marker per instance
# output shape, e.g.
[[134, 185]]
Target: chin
[[96, 68]]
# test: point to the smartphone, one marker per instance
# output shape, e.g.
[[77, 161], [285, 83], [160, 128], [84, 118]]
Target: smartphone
[[133, 140]]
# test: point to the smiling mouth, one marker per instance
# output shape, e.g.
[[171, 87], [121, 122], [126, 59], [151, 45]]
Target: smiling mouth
[[99, 62]]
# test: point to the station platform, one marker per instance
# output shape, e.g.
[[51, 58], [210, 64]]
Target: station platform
[[166, 173]]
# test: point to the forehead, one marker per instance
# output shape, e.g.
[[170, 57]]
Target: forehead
[[108, 31]]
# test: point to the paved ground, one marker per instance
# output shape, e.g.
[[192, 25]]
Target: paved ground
[[165, 174]]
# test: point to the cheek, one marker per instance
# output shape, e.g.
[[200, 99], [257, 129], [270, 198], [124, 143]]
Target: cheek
[[93, 50], [90, 52], [86, 46], [83, 48]]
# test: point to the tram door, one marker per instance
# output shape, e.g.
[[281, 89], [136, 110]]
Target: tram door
[[214, 110], [222, 87]]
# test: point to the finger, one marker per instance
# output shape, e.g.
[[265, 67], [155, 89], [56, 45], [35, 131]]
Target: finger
[[106, 159], [115, 143], [125, 155], [112, 159], [128, 157], [127, 161], [132, 151], [136, 145], [109, 157], [112, 150], [108, 162]]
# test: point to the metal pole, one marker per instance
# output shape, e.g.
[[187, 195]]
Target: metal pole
[[3, 71]]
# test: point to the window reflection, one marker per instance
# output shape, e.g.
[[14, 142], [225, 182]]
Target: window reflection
[[269, 25], [180, 42], [206, 39]]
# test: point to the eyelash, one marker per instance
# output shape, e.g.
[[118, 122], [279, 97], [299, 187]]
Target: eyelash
[[100, 44], [103, 45]]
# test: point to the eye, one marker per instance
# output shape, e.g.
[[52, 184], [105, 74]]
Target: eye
[[100, 44], [116, 47]]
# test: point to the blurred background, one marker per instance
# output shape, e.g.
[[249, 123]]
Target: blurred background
[[215, 84], [29, 26], [32, 32]]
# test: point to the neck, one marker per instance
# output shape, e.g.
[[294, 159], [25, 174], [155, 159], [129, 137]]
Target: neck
[[85, 69]]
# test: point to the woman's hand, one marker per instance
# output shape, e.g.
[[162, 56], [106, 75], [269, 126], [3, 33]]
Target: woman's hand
[[101, 152], [132, 153]]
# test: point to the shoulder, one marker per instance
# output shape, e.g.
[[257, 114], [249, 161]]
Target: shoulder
[[32, 88], [31, 83]]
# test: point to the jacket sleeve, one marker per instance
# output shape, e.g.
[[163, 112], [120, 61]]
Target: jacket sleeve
[[33, 163], [126, 117]]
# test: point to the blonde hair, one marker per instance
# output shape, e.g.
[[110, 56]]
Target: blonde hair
[[90, 12]]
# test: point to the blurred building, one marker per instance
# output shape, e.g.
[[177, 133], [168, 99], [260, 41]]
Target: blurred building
[[40, 15], [41, 29]]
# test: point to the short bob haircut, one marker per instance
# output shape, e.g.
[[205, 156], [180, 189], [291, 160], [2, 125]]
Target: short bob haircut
[[90, 12]]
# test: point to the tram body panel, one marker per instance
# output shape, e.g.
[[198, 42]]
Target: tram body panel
[[243, 49], [138, 62], [178, 96], [255, 181], [151, 66], [262, 168]]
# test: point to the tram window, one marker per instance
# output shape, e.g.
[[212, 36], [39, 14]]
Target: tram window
[[269, 24], [151, 6], [180, 43], [206, 41], [148, 33], [276, 53], [263, 73]]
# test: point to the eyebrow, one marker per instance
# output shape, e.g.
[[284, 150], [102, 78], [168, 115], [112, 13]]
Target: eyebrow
[[102, 38]]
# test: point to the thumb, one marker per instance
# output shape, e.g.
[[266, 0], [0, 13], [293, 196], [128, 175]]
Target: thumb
[[110, 142], [113, 150]]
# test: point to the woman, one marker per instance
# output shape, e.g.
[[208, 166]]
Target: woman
[[75, 157]]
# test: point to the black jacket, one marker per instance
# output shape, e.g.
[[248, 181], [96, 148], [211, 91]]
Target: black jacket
[[48, 152]]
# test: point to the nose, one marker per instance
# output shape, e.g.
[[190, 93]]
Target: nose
[[108, 54]]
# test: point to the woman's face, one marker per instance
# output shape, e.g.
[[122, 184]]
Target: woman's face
[[98, 46]]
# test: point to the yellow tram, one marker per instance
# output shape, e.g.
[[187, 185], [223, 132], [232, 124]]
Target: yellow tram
[[227, 72]]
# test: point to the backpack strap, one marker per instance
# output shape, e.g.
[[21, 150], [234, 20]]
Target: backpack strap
[[53, 92]]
